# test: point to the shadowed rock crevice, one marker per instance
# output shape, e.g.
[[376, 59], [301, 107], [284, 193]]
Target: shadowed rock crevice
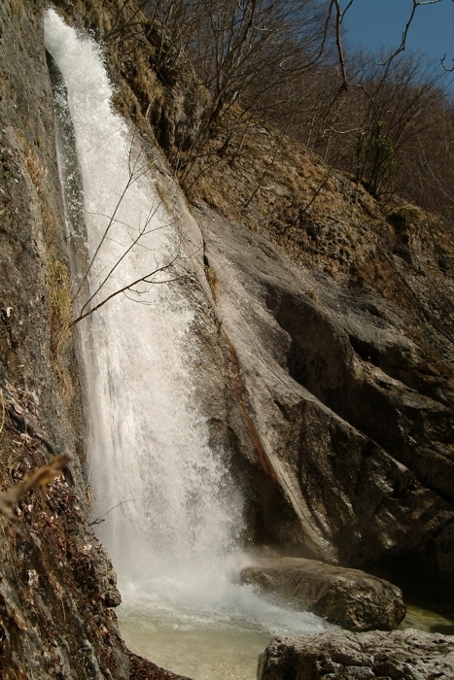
[[353, 376]]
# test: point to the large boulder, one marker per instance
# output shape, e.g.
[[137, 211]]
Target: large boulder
[[349, 597], [406, 655]]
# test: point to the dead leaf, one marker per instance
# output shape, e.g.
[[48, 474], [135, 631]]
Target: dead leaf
[[41, 476]]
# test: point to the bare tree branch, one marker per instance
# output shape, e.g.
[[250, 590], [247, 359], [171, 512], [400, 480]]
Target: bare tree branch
[[147, 278], [403, 40]]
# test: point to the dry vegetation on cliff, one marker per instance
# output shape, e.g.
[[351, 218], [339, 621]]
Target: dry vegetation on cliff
[[323, 220], [255, 173]]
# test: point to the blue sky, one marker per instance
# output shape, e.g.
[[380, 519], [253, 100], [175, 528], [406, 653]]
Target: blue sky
[[377, 23]]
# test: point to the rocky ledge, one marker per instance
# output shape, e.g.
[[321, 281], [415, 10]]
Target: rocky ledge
[[348, 597], [142, 669], [407, 655]]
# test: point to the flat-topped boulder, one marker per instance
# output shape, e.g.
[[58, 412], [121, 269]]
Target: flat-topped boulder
[[404, 654], [348, 597]]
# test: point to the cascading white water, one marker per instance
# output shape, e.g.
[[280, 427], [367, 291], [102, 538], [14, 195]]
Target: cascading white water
[[173, 538], [147, 444]]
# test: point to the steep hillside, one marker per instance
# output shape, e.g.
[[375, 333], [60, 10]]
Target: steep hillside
[[340, 341]]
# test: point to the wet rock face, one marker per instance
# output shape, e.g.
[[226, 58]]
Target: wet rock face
[[408, 654], [56, 580], [348, 597], [343, 432]]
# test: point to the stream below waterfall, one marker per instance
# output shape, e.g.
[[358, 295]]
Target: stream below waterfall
[[222, 652], [205, 647]]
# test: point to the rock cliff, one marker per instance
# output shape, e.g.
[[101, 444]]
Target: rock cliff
[[329, 336], [347, 418], [56, 579]]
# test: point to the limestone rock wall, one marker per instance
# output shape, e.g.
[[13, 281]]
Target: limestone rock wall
[[408, 654], [343, 457]]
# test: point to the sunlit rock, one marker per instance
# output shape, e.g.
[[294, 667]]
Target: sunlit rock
[[349, 597], [408, 654]]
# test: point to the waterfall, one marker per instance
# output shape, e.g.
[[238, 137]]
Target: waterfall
[[147, 444], [172, 514]]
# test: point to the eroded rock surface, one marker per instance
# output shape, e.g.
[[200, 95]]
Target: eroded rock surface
[[348, 597], [343, 439], [407, 655]]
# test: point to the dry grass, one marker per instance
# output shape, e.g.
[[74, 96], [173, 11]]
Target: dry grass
[[323, 221], [275, 185], [36, 170], [212, 278]]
